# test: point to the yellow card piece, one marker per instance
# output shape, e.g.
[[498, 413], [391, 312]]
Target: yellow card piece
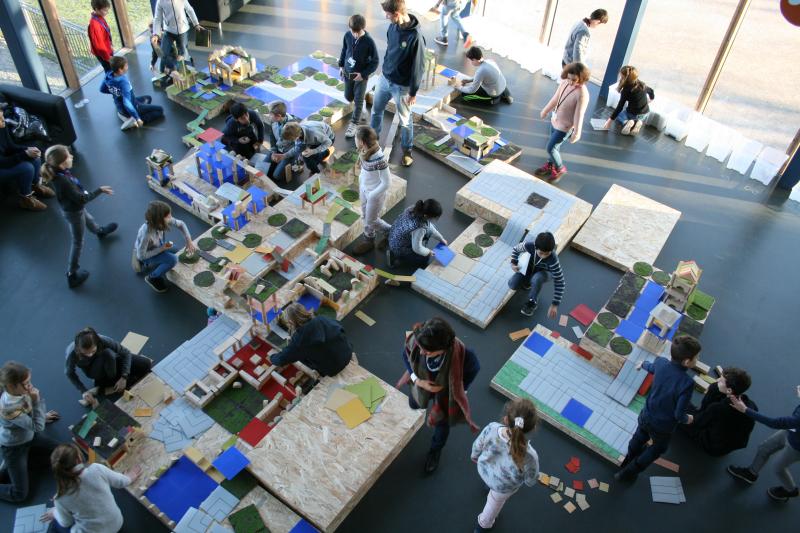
[[353, 413], [263, 249], [134, 342], [215, 474], [338, 398], [143, 411], [384, 274], [238, 254], [544, 479], [409, 279], [604, 486], [556, 497], [521, 334], [364, 318], [570, 507]]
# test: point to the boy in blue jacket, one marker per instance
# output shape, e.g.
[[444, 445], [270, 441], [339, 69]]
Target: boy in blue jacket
[[785, 442], [133, 111], [357, 62], [666, 406]]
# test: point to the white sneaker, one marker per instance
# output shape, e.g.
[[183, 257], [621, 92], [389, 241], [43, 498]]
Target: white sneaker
[[626, 128], [122, 117], [637, 127], [128, 124], [440, 40], [351, 130]]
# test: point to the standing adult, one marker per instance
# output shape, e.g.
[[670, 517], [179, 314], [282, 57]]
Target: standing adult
[[21, 165], [576, 50], [172, 20], [440, 369], [403, 64], [450, 11]]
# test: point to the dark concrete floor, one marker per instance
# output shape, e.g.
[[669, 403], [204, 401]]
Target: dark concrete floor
[[743, 238]]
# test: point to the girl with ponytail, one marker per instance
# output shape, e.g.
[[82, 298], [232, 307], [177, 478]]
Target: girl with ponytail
[[83, 501], [373, 184], [506, 460]]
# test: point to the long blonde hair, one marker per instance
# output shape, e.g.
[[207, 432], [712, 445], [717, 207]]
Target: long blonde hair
[[54, 157], [526, 411], [294, 316]]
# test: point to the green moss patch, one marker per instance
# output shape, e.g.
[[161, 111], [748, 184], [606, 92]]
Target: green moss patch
[[661, 277], [276, 220], [643, 269], [326, 112], [204, 279], [219, 232], [608, 320], [350, 195], [621, 346], [696, 312], [288, 84], [331, 82], [492, 229], [298, 77], [340, 87], [484, 241], [701, 299], [206, 244], [486, 131], [332, 61], [618, 307], [318, 54], [347, 217], [188, 259], [251, 240], [320, 76], [315, 116], [599, 334], [472, 250]]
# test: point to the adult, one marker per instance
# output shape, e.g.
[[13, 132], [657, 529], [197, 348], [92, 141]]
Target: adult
[[402, 69], [106, 362], [172, 20], [410, 233], [84, 502], [488, 85], [23, 416], [316, 341], [718, 428], [637, 95], [244, 131], [21, 165], [568, 105], [440, 369], [785, 444], [533, 262], [576, 50], [450, 11]]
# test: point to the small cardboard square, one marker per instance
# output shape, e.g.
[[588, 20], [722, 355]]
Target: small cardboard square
[[338, 398], [153, 393], [580, 499], [570, 507], [353, 413], [603, 486], [238, 254], [578, 331], [569, 492], [556, 497], [563, 320], [134, 342], [593, 484], [143, 411]]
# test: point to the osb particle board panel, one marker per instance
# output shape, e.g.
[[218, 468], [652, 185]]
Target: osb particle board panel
[[276, 516], [338, 465], [626, 227]]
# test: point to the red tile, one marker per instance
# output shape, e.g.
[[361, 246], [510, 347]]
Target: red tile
[[648, 380], [253, 432], [583, 314]]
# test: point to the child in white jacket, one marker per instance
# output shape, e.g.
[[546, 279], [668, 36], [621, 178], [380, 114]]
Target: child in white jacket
[[373, 184]]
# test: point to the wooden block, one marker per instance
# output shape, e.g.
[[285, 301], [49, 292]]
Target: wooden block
[[520, 334], [718, 369], [113, 442], [364, 318], [97, 442], [669, 465], [702, 367], [701, 384], [142, 411], [255, 359]]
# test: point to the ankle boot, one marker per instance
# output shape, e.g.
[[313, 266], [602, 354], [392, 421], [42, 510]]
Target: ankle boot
[[364, 245]]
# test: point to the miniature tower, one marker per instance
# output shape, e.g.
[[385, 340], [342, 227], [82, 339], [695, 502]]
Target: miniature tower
[[159, 164], [681, 285], [664, 318]]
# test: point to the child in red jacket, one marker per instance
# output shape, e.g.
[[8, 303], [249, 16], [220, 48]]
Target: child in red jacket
[[100, 33]]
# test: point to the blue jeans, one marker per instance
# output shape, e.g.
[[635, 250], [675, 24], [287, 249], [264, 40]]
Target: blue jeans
[[16, 459], [535, 279], [354, 92], [624, 116], [24, 174], [557, 138], [78, 222], [440, 431], [383, 92], [161, 263], [640, 455], [181, 41], [454, 14], [275, 171]]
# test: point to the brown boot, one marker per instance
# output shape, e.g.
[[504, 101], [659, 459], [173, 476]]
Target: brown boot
[[364, 245], [43, 191], [31, 203]]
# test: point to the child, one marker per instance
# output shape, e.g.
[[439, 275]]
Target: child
[[373, 182], [172, 20], [100, 33], [244, 131], [666, 406], [132, 110], [538, 259], [506, 460], [785, 442], [278, 162], [637, 95], [451, 11], [23, 416], [73, 199], [313, 140], [576, 49], [155, 253], [410, 232], [358, 60], [568, 105], [488, 85], [155, 49], [84, 501]]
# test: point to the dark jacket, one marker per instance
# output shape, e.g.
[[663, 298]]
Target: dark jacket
[[790, 423], [668, 401], [70, 193], [11, 153], [110, 362], [320, 344], [235, 130], [362, 50], [404, 60], [471, 367], [636, 97], [718, 427]]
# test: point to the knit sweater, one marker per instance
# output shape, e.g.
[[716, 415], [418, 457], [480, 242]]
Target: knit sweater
[[71, 195], [576, 49], [492, 451], [487, 76], [150, 242], [550, 264], [568, 104], [20, 418], [91, 508], [790, 423], [669, 396], [100, 37], [174, 16], [374, 178]]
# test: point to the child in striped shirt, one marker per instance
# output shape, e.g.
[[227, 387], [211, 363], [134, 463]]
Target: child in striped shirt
[[531, 262]]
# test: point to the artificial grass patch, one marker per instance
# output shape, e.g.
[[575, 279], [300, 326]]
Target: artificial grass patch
[[326, 112], [618, 307], [298, 77], [626, 293], [218, 265], [484, 240], [661, 277], [638, 282], [608, 320], [472, 250], [206, 244], [701, 299], [326, 311], [247, 520], [621, 346], [349, 195], [331, 82], [219, 232], [204, 279], [241, 484], [233, 408], [347, 217], [492, 229], [188, 259], [276, 220], [696, 312], [294, 228], [320, 76], [599, 334], [643, 269], [251, 240], [332, 61]]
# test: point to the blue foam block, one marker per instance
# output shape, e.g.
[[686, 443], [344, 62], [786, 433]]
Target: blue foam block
[[443, 254], [230, 462], [208, 96], [272, 314], [303, 527], [224, 87], [309, 301], [576, 412], [671, 333], [448, 72], [538, 344], [639, 316], [184, 485], [629, 330], [462, 130], [230, 59], [650, 296], [260, 94]]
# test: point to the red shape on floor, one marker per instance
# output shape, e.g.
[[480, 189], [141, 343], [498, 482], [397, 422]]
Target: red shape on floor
[[253, 432], [648, 380], [580, 351], [583, 314], [271, 388], [555, 334], [210, 135], [577, 484], [573, 465]]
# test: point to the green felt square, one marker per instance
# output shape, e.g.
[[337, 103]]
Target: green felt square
[[599, 334], [241, 484], [210, 104], [701, 299], [247, 520], [347, 217], [234, 408], [268, 291], [294, 228]]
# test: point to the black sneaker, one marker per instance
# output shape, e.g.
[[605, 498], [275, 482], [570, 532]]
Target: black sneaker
[[389, 258], [779, 494], [528, 308], [627, 474], [432, 461], [75, 279], [479, 529], [508, 99], [107, 230], [441, 40], [158, 284], [743, 473]]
